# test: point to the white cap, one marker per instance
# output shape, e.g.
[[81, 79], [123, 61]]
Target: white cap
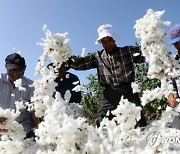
[[104, 31]]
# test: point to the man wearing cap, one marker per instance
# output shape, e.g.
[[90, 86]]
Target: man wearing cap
[[175, 40], [115, 68], [9, 94]]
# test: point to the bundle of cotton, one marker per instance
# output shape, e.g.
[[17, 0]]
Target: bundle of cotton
[[128, 117], [12, 139], [150, 30], [136, 86], [60, 120], [118, 133], [66, 133], [175, 71], [161, 64], [56, 46], [151, 95], [18, 84], [43, 93], [10, 124]]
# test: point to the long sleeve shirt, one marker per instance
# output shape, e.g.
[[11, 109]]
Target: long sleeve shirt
[[10, 94], [113, 68]]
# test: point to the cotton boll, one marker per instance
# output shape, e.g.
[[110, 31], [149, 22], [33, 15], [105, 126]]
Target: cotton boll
[[56, 46], [20, 105], [83, 52], [77, 88], [126, 113], [18, 84], [149, 96], [123, 137], [136, 87], [12, 95], [11, 141]]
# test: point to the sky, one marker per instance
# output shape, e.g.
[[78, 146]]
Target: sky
[[22, 22]]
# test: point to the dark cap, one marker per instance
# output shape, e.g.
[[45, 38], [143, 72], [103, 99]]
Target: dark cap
[[15, 61]]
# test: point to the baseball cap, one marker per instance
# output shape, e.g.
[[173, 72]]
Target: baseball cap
[[175, 34], [105, 31], [15, 61]]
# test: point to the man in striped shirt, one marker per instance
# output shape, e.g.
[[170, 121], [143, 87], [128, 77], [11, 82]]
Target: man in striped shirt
[[115, 68], [9, 94]]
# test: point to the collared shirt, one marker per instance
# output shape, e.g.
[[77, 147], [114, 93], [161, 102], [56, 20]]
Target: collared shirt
[[114, 68], [9, 95], [69, 83]]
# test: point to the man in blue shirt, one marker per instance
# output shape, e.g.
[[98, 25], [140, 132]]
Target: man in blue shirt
[[67, 81]]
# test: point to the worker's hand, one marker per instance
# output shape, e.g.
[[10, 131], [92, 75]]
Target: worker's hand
[[165, 73], [3, 130], [35, 119], [172, 100], [51, 49], [3, 120]]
